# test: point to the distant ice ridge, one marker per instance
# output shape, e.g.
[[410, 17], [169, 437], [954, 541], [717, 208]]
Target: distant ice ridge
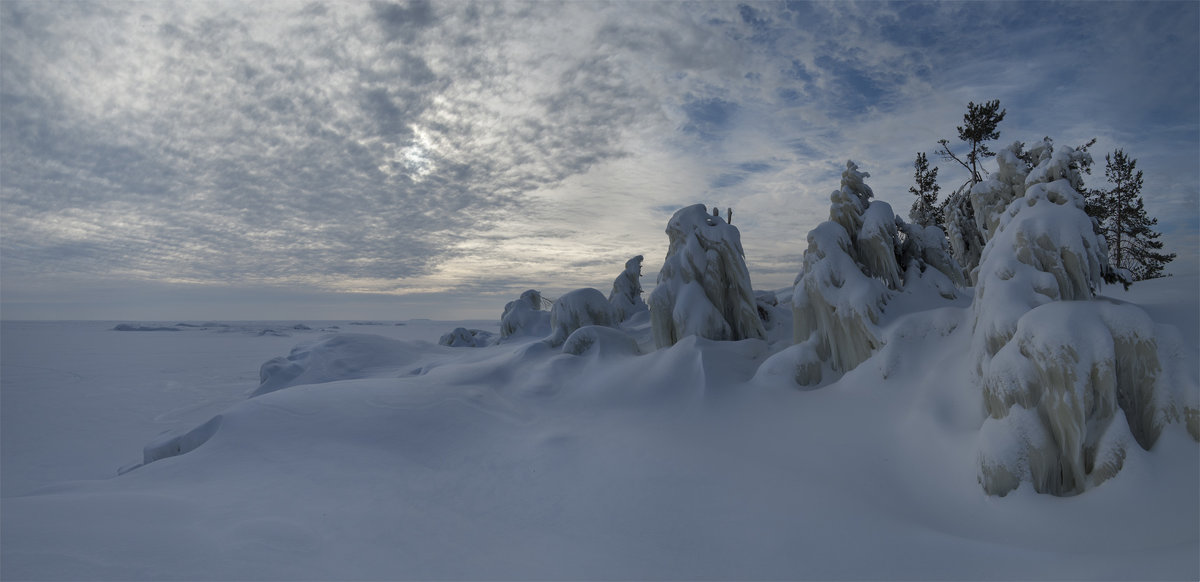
[[704, 286]]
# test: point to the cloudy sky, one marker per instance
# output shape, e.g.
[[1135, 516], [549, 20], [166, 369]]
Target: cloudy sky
[[261, 160]]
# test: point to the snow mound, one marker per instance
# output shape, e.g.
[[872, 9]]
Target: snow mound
[[462, 337], [333, 358], [525, 317], [704, 287], [576, 309], [602, 341], [172, 445], [626, 294]]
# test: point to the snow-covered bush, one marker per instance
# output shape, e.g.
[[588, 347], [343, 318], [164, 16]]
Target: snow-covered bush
[[525, 317], [704, 286], [1056, 369], [462, 337], [577, 309], [626, 294]]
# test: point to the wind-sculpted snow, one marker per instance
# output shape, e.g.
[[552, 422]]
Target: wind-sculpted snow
[[626, 294], [704, 287], [576, 309], [348, 355], [1059, 371]]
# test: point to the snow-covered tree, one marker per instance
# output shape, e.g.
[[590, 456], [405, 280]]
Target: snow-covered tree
[[626, 294], [958, 214], [1132, 241], [1058, 371], [925, 208], [704, 286], [849, 267]]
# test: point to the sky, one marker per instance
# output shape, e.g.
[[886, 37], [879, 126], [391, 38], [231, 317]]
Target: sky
[[381, 160]]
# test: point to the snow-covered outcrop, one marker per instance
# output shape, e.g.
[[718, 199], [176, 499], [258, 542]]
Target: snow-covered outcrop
[[626, 294], [525, 317], [704, 286], [462, 337], [576, 309], [1058, 370], [347, 355]]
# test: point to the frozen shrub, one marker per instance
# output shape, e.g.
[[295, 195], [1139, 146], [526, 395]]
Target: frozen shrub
[[704, 286]]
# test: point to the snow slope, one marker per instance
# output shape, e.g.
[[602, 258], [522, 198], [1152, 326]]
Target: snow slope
[[701, 460]]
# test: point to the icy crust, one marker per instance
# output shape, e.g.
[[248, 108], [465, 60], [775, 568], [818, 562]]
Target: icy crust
[[576, 309], [626, 294], [525, 317], [704, 286]]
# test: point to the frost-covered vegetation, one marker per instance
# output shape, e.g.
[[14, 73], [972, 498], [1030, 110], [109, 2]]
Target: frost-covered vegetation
[[909, 373]]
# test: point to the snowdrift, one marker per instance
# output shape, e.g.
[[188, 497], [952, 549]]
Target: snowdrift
[[570, 447]]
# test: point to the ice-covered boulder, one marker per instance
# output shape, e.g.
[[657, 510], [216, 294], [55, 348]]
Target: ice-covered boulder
[[576, 309], [704, 286], [525, 317], [626, 294], [461, 337]]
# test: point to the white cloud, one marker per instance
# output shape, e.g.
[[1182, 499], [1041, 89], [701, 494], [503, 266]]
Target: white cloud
[[491, 147]]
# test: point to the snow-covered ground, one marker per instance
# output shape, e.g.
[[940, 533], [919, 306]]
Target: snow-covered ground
[[412, 460]]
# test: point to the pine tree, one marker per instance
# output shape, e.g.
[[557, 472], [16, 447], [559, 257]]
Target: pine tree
[[925, 209], [1133, 244], [979, 127]]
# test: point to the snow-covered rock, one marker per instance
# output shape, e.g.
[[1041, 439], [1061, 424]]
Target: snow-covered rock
[[599, 340], [461, 337], [525, 317], [626, 294], [337, 357], [704, 287], [576, 309]]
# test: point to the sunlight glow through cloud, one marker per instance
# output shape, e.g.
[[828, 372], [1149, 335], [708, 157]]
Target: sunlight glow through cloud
[[487, 148]]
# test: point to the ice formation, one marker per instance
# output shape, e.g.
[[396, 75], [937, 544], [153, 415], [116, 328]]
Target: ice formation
[[462, 337], [626, 294], [1057, 371], [525, 316], [576, 309], [599, 340], [704, 286]]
